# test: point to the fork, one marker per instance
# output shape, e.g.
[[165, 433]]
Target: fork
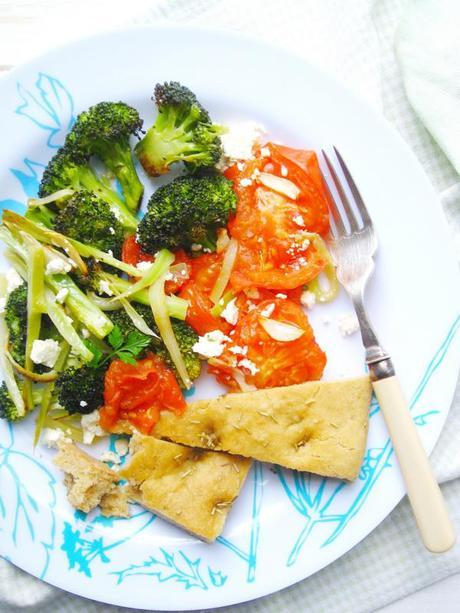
[[352, 244]]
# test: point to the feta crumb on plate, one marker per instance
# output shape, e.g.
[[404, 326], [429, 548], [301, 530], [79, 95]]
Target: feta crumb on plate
[[45, 352], [57, 266], [268, 311], [110, 456], [231, 312], [13, 280], [308, 299], [52, 436], [348, 324], [211, 345], [237, 350], [90, 426], [238, 142]]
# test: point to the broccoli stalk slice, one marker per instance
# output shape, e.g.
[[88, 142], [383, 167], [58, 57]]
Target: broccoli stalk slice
[[88, 251], [160, 313], [12, 406], [47, 392], [159, 267], [81, 307], [65, 327], [118, 159]]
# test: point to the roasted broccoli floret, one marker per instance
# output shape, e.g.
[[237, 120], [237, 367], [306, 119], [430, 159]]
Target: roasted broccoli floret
[[8, 409], [16, 321], [68, 169], [185, 335], [187, 211], [104, 130], [182, 132], [81, 390], [88, 219]]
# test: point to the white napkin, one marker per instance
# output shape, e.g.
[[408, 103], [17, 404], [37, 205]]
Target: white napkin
[[355, 41]]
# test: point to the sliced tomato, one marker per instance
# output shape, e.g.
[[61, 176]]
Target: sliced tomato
[[278, 363], [138, 392], [271, 228], [133, 254], [204, 272]]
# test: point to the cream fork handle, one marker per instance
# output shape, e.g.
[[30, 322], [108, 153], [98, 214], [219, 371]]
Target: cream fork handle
[[425, 496]]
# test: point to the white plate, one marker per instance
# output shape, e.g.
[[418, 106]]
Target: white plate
[[284, 526]]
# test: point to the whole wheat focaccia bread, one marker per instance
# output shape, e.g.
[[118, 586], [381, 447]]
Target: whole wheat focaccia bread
[[319, 427], [191, 488]]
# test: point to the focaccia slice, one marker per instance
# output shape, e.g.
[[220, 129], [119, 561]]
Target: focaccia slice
[[191, 488], [319, 427]]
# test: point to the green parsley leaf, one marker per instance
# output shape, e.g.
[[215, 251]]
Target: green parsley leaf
[[115, 338], [97, 353]]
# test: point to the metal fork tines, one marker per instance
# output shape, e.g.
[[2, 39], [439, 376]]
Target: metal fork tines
[[353, 244]]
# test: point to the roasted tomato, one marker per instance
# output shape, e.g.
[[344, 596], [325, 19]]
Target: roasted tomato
[[204, 272], [133, 254], [264, 361], [281, 200], [137, 393]]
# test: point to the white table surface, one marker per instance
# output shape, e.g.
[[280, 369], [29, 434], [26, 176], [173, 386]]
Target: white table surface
[[18, 42]]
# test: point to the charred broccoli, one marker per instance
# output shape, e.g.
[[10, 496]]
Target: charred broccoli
[[182, 132], [67, 169], [8, 409], [16, 321], [187, 211], [88, 219], [104, 130], [81, 390]]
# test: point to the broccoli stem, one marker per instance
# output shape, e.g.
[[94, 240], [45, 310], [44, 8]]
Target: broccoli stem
[[47, 392], [160, 313], [90, 182], [81, 307], [159, 267], [35, 307], [118, 159], [87, 251], [65, 328]]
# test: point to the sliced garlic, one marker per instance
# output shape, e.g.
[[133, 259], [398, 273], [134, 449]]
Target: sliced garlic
[[281, 331], [280, 185]]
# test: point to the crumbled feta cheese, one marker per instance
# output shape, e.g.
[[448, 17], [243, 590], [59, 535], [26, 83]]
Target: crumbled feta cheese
[[299, 220], [265, 152], [237, 350], [104, 287], [45, 352], [85, 333], [62, 295], [110, 456], [231, 312], [196, 247], [284, 171], [348, 324], [110, 252], [2, 305], [282, 296], [83, 403], [238, 142], [241, 166], [267, 312], [245, 363], [245, 182], [52, 436], [57, 266], [112, 230], [308, 299], [211, 345], [121, 446], [143, 266], [90, 426], [13, 280]]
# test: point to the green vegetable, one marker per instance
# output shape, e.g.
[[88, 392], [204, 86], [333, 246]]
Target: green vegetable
[[104, 130], [16, 321], [8, 409], [89, 220], [69, 169], [124, 348], [183, 132], [81, 390], [187, 211]]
